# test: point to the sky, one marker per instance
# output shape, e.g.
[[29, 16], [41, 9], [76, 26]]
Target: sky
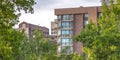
[[44, 10]]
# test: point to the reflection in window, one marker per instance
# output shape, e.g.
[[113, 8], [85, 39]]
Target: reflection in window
[[66, 24], [59, 24], [66, 41], [67, 17], [59, 17], [66, 32]]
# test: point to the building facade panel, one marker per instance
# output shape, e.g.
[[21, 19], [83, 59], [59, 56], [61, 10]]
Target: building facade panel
[[54, 31], [78, 23], [75, 10]]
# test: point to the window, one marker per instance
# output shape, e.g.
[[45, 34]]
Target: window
[[66, 24], [67, 49], [67, 17], [66, 41], [99, 14], [59, 32], [66, 32], [59, 17], [23, 25], [59, 24], [85, 19]]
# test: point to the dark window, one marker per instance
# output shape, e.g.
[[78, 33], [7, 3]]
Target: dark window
[[85, 19], [99, 14]]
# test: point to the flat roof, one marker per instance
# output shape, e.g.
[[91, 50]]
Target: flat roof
[[77, 10]]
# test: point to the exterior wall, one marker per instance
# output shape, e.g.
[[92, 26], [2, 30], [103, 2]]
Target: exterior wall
[[77, 23], [29, 28], [54, 30], [78, 20], [77, 27], [76, 10]]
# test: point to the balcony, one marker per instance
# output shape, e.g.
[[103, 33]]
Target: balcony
[[67, 20], [66, 36], [67, 28]]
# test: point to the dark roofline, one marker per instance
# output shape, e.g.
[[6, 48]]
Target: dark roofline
[[76, 10], [33, 25], [78, 7]]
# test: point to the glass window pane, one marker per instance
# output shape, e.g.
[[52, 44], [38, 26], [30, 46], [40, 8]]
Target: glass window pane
[[59, 16], [85, 16], [67, 17], [66, 24], [59, 24], [66, 41], [66, 32]]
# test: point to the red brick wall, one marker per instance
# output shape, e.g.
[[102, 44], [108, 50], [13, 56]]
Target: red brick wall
[[78, 20]]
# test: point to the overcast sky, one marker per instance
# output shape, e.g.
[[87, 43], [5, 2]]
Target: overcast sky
[[44, 10]]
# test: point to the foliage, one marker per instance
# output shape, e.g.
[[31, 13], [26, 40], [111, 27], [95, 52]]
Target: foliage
[[11, 43], [10, 11], [10, 39], [40, 47], [101, 42]]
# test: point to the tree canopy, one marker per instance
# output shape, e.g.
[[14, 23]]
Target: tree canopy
[[10, 11], [101, 41], [11, 39]]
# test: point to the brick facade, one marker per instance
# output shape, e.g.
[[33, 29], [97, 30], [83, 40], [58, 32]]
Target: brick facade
[[29, 28], [78, 20]]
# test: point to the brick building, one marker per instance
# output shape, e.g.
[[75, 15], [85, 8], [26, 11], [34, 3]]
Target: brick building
[[70, 21], [29, 28]]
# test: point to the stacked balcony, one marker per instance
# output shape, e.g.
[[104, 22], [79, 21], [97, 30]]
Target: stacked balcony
[[65, 27]]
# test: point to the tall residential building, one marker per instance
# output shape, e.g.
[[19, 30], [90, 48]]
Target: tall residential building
[[54, 30], [29, 28], [108, 1], [70, 22]]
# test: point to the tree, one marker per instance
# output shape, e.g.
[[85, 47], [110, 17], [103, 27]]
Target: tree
[[101, 42], [40, 47], [11, 43], [10, 39], [10, 11]]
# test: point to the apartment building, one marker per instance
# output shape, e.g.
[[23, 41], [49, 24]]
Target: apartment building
[[54, 30], [70, 21], [29, 28]]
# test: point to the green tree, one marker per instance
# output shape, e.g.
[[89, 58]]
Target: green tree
[[101, 42], [10, 11], [10, 39], [11, 43], [40, 47]]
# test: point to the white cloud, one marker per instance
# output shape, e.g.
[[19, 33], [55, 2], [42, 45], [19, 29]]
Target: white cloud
[[39, 18]]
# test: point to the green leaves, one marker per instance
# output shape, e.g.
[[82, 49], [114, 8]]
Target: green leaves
[[10, 11], [11, 40], [101, 42]]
